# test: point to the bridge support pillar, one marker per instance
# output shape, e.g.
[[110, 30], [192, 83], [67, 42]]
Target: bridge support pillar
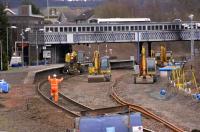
[[192, 49], [149, 49], [139, 51]]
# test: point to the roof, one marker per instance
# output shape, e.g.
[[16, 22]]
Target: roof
[[7, 10], [85, 15]]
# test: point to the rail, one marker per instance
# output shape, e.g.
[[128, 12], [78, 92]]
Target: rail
[[144, 111], [66, 104]]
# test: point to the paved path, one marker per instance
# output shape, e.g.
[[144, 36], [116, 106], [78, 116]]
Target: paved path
[[23, 75]]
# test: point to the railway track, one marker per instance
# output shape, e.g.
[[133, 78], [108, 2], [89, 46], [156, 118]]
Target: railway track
[[134, 107], [66, 104], [76, 109]]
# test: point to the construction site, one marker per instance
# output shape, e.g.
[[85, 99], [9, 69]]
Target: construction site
[[158, 94], [121, 66]]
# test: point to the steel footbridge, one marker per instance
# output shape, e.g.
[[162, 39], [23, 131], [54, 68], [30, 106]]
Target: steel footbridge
[[90, 33]]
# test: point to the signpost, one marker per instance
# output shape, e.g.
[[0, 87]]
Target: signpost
[[46, 54]]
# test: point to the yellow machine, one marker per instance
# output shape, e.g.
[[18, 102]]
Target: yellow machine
[[163, 57], [74, 62], [184, 80], [147, 69], [100, 70]]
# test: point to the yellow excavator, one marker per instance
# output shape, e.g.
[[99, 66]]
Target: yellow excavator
[[147, 73], [163, 57], [99, 70], [74, 63]]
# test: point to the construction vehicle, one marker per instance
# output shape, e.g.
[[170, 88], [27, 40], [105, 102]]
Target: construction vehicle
[[74, 63], [100, 69], [163, 57], [147, 70]]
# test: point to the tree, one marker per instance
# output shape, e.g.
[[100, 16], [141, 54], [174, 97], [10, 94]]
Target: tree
[[113, 8], [3, 26], [35, 10]]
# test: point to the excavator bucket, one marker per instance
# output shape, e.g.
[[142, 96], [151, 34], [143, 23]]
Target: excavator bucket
[[96, 78], [146, 80]]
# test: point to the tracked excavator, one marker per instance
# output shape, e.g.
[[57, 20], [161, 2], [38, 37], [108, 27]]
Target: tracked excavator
[[147, 70], [74, 63], [99, 70], [163, 57]]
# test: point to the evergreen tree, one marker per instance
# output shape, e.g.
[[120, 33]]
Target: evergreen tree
[[3, 26], [35, 10]]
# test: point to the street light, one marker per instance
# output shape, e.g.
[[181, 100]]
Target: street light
[[191, 16], [36, 43], [22, 35], [11, 27], [48, 8]]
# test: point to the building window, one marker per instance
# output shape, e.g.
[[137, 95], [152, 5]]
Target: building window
[[83, 29], [92, 29], [88, 29], [127, 28], [165, 27], [51, 29], [74, 29], [56, 29], [169, 27], [70, 29], [156, 27], [65, 29], [132, 28], [101, 29], [136, 27], [105, 29], [61, 29], [118, 28], [161, 27], [47, 29], [79, 29], [115, 28], [173, 27], [109, 28], [177, 27], [123, 28], [97, 29]]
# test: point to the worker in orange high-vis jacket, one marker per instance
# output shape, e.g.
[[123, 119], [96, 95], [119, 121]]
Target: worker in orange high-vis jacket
[[54, 86]]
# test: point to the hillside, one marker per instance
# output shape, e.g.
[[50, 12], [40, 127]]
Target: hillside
[[43, 3]]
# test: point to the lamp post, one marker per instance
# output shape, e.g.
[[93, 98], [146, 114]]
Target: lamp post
[[22, 35], [11, 27], [48, 8], [191, 16], [36, 44]]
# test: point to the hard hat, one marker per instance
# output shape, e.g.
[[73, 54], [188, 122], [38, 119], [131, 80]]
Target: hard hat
[[54, 75]]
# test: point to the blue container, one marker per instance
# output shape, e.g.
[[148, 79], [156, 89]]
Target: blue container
[[112, 123], [163, 92], [4, 86]]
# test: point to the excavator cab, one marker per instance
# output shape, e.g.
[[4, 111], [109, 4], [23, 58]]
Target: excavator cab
[[147, 71], [106, 68], [100, 70], [74, 62]]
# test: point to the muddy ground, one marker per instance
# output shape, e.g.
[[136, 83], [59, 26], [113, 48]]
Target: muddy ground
[[22, 109]]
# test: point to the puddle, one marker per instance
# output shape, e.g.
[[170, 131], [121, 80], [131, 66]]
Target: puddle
[[156, 95]]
